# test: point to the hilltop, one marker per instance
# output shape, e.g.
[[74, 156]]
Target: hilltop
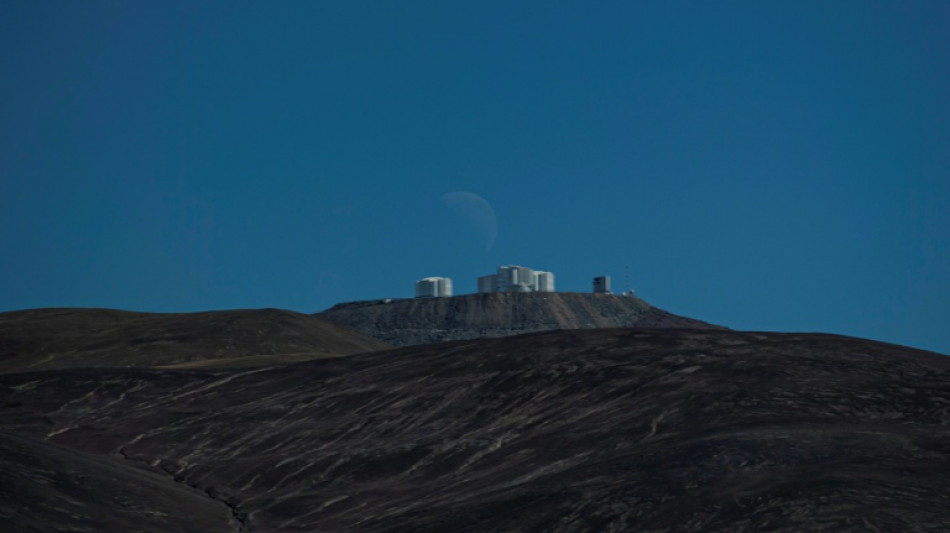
[[40, 339], [406, 322]]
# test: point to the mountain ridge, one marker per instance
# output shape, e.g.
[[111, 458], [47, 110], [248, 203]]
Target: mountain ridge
[[47, 338], [419, 321]]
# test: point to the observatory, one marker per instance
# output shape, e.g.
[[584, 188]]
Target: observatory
[[514, 278], [434, 287], [545, 281]]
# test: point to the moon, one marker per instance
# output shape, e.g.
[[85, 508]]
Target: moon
[[477, 211]]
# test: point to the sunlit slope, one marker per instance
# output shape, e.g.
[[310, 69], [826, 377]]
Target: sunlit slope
[[584, 430], [408, 322], [40, 339]]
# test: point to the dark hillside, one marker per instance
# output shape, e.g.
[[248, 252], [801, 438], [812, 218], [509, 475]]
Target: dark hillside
[[38, 339], [54, 488], [581, 430], [410, 322]]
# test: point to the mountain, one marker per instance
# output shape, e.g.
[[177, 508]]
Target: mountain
[[632, 429], [39, 339], [407, 322]]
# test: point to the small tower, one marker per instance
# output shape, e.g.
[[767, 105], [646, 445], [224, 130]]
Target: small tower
[[602, 285]]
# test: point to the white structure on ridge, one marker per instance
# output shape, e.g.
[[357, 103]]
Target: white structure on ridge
[[602, 285], [513, 278], [545, 281], [433, 287], [488, 283]]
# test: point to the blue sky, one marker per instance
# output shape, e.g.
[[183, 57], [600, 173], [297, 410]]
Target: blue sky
[[761, 165]]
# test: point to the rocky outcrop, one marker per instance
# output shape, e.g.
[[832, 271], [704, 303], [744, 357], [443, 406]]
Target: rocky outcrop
[[407, 322]]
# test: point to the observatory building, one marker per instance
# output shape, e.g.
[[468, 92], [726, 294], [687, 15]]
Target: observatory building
[[513, 278], [433, 287], [602, 285]]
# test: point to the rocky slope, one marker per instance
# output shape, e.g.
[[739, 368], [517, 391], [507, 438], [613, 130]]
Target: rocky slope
[[408, 322], [55, 488], [39, 339], [583, 430]]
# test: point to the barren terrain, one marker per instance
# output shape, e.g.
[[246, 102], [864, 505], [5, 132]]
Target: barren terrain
[[408, 322], [39, 339], [589, 430]]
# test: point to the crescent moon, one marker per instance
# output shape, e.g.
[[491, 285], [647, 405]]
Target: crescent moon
[[477, 211]]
